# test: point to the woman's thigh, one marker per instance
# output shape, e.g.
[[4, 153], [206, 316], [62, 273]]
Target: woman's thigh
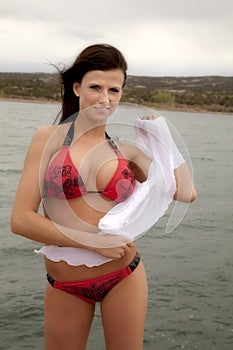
[[124, 311], [67, 320]]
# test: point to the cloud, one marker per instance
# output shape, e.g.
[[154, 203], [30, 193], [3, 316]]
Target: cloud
[[156, 37], [106, 11]]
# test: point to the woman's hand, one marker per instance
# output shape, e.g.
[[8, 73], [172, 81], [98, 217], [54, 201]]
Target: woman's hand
[[114, 253], [113, 246], [149, 117]]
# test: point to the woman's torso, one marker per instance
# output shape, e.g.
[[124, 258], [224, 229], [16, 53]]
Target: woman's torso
[[96, 163]]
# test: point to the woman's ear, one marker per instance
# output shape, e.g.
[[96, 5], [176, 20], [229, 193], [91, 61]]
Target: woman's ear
[[76, 87]]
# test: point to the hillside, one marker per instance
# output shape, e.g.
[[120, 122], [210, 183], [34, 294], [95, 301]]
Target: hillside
[[210, 93]]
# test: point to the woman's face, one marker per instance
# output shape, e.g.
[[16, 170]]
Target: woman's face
[[100, 89]]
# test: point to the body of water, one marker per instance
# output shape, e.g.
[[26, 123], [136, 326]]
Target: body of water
[[190, 271]]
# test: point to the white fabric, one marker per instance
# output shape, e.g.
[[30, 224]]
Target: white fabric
[[146, 205], [150, 199], [73, 256]]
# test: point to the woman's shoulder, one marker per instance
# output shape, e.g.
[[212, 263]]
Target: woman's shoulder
[[54, 133], [39, 140], [45, 131]]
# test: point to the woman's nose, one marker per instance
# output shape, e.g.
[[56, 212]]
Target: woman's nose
[[104, 97]]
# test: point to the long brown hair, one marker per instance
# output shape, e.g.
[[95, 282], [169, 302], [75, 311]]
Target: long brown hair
[[95, 57]]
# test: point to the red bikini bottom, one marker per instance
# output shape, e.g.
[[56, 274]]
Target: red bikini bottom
[[95, 289]]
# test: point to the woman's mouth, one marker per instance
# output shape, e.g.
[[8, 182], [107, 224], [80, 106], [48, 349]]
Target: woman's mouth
[[103, 109]]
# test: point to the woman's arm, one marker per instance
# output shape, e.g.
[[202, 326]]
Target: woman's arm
[[25, 219], [185, 190]]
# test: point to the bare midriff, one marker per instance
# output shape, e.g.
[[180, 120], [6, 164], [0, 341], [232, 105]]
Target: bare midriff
[[81, 213]]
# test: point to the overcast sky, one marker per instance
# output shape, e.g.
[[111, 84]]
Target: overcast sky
[[157, 38]]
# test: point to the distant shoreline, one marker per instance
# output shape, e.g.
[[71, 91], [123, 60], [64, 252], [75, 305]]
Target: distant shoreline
[[207, 94], [28, 100], [159, 107]]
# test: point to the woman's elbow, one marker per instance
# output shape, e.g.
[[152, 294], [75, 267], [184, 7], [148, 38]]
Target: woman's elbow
[[193, 195], [186, 197], [15, 225]]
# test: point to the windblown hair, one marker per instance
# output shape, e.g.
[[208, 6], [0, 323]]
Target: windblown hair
[[95, 57]]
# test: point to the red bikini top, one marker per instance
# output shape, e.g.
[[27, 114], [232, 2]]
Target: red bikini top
[[63, 181]]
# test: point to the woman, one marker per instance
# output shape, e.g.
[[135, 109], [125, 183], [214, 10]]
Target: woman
[[76, 198]]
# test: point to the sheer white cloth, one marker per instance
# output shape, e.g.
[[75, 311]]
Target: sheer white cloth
[[146, 205]]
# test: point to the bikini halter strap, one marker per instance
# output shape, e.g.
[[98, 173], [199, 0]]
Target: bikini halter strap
[[70, 135]]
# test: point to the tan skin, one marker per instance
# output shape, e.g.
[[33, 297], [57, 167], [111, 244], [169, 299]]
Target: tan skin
[[68, 319]]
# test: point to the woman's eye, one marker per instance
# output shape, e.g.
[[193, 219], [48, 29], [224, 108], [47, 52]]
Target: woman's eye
[[98, 88], [95, 87], [115, 90]]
